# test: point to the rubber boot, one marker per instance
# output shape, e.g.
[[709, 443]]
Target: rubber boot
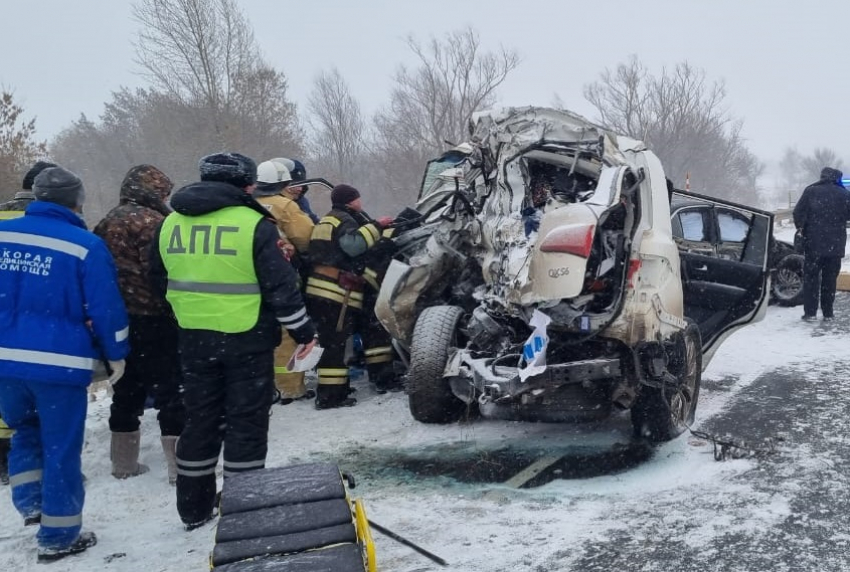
[[125, 455], [4, 461], [169, 447]]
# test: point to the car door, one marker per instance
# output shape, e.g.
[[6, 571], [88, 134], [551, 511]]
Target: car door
[[724, 249]]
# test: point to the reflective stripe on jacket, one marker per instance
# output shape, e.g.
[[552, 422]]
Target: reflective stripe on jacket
[[212, 282], [62, 309], [339, 240]]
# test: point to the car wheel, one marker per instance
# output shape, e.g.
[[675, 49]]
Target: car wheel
[[787, 283], [429, 394], [661, 414]]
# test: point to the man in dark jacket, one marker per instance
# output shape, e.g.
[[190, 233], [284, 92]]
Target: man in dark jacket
[[218, 260], [62, 311], [9, 210], [153, 365], [17, 206], [821, 216], [336, 287]]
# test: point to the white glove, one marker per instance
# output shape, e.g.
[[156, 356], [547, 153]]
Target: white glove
[[117, 368]]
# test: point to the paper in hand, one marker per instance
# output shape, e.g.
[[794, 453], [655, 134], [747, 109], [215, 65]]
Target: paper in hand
[[308, 362]]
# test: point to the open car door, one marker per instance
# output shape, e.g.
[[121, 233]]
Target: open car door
[[724, 249]]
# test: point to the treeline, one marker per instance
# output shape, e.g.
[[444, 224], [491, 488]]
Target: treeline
[[210, 89]]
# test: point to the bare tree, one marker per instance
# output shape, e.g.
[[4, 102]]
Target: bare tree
[[202, 55], [433, 102], [337, 126], [18, 147], [684, 120], [811, 166]]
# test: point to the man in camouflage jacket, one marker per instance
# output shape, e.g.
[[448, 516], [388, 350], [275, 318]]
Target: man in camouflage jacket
[[153, 364]]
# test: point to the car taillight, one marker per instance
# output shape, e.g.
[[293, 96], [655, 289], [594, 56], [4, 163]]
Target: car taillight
[[570, 238], [634, 266]]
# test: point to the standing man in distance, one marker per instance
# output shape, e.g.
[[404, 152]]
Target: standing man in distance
[[63, 312], [218, 262], [821, 217]]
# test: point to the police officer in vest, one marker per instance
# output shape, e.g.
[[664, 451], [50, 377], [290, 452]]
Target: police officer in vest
[[217, 258], [336, 286]]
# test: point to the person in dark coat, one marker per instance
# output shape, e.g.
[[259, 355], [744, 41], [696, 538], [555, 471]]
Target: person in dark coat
[[9, 210], [336, 290], [821, 217], [218, 262], [62, 312], [153, 366]]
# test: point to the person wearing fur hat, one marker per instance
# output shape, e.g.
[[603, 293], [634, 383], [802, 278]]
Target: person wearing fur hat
[[336, 287], [821, 216], [153, 365], [275, 193], [217, 261], [64, 313]]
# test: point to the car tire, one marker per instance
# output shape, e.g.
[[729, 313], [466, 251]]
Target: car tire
[[662, 414], [786, 285], [429, 394]]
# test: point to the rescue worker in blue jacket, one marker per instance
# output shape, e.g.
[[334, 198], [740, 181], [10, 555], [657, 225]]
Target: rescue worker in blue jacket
[[218, 262], [62, 312]]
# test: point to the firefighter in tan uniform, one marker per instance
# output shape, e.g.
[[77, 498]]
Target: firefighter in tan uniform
[[336, 287], [295, 227]]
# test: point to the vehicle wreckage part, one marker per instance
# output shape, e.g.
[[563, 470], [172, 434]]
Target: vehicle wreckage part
[[787, 282], [430, 396], [574, 239], [662, 413]]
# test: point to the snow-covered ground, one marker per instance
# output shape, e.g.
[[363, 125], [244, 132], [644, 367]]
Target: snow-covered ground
[[473, 526]]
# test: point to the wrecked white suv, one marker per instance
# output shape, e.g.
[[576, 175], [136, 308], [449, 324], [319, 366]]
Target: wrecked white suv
[[541, 280]]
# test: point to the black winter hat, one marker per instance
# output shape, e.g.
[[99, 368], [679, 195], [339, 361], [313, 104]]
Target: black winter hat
[[831, 175], [60, 186], [232, 168], [344, 194], [35, 170]]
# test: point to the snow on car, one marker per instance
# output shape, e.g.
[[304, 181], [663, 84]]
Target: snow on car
[[541, 280]]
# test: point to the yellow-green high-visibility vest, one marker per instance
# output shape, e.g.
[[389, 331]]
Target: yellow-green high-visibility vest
[[8, 215], [212, 283]]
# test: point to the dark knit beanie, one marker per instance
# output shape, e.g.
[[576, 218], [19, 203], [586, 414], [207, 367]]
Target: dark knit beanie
[[35, 170], [831, 175], [60, 186], [232, 168], [343, 194]]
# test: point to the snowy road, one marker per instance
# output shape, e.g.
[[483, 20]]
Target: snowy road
[[676, 509]]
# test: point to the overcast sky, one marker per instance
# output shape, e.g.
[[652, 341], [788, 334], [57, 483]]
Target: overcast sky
[[784, 62]]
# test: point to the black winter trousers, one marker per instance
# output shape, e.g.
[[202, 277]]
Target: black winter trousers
[[228, 395], [820, 274], [333, 383], [152, 368]]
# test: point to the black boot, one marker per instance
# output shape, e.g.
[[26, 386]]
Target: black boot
[[84, 541], [4, 461]]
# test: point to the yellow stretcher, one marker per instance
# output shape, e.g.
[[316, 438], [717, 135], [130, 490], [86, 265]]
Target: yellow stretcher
[[292, 519]]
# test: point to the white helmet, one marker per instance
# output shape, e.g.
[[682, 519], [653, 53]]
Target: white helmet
[[272, 172]]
